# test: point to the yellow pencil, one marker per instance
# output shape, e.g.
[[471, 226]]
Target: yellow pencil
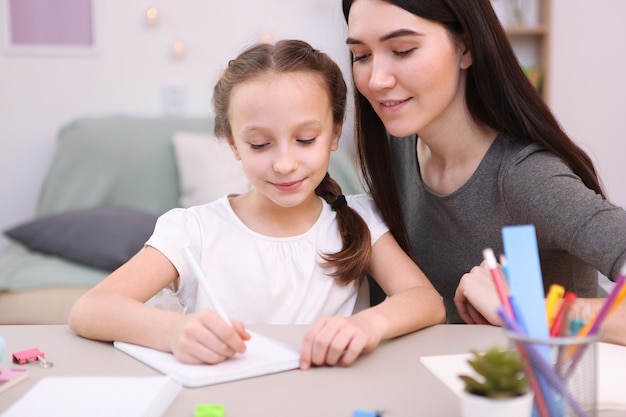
[[555, 294]]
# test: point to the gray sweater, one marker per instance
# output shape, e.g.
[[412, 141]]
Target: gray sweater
[[578, 233]]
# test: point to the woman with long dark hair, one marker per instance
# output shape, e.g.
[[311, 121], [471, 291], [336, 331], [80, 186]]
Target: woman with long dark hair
[[454, 143]]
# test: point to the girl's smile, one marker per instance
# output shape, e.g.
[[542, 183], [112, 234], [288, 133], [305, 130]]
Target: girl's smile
[[288, 186]]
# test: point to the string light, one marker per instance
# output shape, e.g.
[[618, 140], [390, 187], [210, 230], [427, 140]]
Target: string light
[[266, 37], [179, 49], [152, 16]]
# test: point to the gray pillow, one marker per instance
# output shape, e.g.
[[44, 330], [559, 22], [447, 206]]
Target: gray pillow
[[102, 237]]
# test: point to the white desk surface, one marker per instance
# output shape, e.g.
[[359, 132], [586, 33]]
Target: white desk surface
[[390, 377]]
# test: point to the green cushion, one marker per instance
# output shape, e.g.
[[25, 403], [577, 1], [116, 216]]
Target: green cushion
[[118, 161]]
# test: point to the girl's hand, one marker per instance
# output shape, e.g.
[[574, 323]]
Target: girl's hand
[[476, 298], [336, 340], [203, 337]]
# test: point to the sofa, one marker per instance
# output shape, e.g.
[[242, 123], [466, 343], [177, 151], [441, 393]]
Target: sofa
[[109, 180]]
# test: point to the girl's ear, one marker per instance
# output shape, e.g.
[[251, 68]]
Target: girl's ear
[[336, 135], [233, 147]]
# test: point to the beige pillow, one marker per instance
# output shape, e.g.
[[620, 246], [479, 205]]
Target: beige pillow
[[207, 168]]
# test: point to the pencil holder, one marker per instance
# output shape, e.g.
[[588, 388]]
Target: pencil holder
[[563, 372]]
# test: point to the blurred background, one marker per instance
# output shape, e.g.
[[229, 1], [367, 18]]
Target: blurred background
[[142, 57]]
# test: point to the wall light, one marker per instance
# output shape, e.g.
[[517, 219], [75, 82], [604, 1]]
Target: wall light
[[152, 16], [179, 49]]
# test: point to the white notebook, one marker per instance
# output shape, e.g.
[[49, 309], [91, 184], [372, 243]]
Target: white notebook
[[263, 356], [97, 397]]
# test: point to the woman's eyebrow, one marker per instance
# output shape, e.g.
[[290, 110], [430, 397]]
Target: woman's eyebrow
[[395, 34]]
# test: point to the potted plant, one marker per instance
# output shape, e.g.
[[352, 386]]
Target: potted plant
[[501, 388]]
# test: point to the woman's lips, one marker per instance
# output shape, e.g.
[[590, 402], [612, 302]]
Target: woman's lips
[[391, 106]]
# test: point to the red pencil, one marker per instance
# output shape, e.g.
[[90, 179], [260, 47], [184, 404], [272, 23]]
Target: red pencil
[[559, 325], [490, 258]]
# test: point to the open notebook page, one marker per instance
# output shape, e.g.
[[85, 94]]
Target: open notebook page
[[263, 356]]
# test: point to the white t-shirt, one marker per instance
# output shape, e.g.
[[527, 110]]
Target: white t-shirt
[[260, 279]]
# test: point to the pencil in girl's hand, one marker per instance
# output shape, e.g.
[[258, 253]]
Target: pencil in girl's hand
[[204, 284]]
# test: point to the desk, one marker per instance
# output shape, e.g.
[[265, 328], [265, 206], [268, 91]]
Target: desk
[[389, 377]]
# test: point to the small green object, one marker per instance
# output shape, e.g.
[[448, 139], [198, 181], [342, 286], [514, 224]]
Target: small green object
[[209, 410], [502, 372]]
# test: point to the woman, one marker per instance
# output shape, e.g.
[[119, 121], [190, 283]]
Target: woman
[[454, 143]]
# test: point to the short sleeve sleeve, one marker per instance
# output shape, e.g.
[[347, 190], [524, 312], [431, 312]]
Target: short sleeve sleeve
[[367, 209], [174, 229]]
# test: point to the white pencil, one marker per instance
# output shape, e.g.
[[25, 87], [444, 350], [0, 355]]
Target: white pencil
[[204, 285]]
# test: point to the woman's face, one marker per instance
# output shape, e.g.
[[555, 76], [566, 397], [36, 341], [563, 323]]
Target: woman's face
[[408, 68]]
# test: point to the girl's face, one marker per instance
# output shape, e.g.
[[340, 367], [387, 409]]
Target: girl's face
[[408, 68], [283, 132]]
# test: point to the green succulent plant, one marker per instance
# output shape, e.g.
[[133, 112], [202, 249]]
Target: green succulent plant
[[502, 372]]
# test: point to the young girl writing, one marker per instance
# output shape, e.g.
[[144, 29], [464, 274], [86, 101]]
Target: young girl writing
[[293, 249]]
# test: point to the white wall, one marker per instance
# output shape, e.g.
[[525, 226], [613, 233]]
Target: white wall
[[588, 85], [132, 67]]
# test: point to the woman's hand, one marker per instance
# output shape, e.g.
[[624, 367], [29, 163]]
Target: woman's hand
[[337, 340], [203, 337], [476, 297]]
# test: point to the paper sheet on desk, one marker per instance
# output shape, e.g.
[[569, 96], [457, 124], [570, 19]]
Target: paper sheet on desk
[[611, 374], [66, 396]]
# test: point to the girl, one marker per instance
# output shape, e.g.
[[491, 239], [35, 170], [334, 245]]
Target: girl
[[455, 142], [290, 250]]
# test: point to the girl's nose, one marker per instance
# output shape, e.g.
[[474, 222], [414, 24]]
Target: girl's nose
[[285, 161]]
